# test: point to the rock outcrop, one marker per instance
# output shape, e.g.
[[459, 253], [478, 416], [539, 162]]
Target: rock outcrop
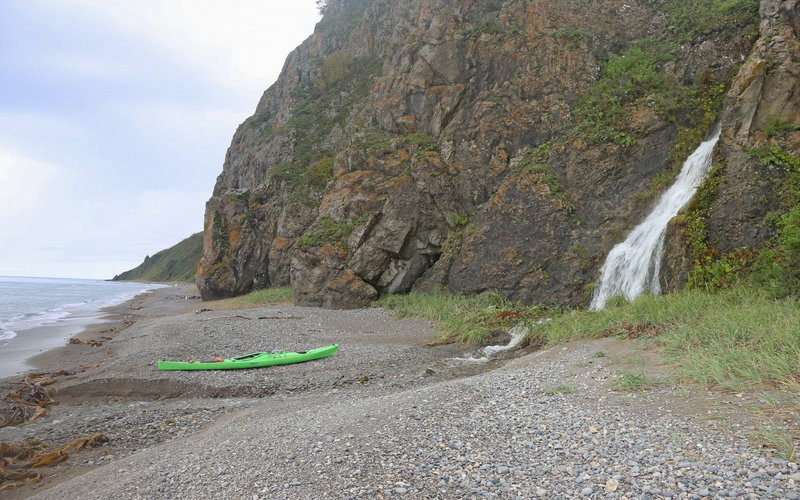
[[485, 145], [743, 189]]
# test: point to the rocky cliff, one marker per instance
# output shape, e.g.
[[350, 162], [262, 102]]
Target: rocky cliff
[[503, 145]]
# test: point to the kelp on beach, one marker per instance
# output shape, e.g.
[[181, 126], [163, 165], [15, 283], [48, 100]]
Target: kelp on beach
[[30, 400], [27, 402], [17, 461]]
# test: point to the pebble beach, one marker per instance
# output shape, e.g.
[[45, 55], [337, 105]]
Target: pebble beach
[[391, 414]]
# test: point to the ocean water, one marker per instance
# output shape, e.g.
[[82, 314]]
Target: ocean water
[[28, 303]]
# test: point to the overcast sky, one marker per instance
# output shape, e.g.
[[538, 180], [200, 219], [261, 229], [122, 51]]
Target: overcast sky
[[115, 116]]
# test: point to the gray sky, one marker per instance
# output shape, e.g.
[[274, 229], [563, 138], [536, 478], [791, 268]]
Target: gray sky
[[115, 116]]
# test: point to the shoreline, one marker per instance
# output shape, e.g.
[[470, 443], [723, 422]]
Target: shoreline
[[32, 344], [116, 388], [112, 320], [384, 416]]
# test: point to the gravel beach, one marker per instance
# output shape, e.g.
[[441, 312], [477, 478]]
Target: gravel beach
[[386, 416]]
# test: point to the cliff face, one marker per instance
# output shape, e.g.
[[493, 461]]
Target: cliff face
[[731, 213], [503, 145]]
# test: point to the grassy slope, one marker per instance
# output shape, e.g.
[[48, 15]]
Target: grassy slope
[[177, 263], [734, 338]]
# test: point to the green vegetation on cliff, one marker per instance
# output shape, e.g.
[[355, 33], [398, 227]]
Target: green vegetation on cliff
[[639, 77], [175, 264], [328, 231], [775, 264], [323, 104], [689, 18]]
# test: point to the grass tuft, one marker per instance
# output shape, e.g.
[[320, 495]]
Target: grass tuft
[[779, 440], [734, 338], [463, 318], [559, 389], [630, 381]]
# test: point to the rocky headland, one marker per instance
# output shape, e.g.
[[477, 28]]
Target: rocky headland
[[501, 146]]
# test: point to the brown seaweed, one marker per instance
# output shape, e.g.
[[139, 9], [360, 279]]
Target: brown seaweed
[[17, 460], [31, 398]]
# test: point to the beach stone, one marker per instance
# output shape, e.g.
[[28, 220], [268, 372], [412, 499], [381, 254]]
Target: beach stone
[[304, 441]]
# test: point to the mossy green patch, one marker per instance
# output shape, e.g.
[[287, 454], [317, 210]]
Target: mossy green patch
[[689, 18], [421, 140], [372, 141], [329, 231], [457, 220], [572, 34], [490, 28], [218, 234], [777, 126]]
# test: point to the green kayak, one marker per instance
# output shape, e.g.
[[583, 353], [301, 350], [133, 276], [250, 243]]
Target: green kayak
[[254, 360]]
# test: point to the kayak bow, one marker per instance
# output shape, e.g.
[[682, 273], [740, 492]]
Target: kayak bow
[[254, 360]]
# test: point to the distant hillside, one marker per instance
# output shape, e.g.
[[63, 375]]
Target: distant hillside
[[177, 263]]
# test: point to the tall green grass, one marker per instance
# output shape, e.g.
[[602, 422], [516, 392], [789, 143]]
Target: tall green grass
[[734, 338], [465, 318]]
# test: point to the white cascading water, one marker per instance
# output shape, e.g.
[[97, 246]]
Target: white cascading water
[[632, 267]]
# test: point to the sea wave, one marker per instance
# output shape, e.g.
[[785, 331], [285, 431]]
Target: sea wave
[[6, 334], [95, 297], [46, 317]]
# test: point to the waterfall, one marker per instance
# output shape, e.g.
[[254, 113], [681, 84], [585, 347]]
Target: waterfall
[[632, 267]]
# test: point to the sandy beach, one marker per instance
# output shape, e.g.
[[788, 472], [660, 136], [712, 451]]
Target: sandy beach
[[387, 416]]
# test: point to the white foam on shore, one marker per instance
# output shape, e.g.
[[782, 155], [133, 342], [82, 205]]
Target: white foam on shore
[[66, 309], [6, 334], [41, 318], [69, 311]]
